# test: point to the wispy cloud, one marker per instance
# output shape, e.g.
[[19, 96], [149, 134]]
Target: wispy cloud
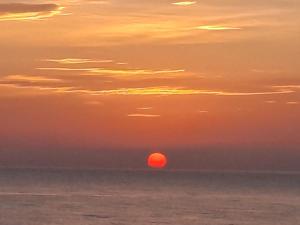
[[163, 22], [122, 73], [290, 86], [143, 115], [183, 91], [292, 103], [121, 63], [185, 3], [50, 89], [22, 11], [77, 61], [114, 71], [31, 78], [270, 101], [217, 28], [94, 103], [202, 111], [144, 91], [266, 71], [144, 108]]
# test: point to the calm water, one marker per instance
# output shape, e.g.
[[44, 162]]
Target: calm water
[[69, 197]]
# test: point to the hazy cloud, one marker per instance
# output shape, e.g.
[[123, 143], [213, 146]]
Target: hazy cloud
[[143, 91], [144, 108], [123, 73], [217, 28], [185, 3], [292, 103], [143, 115], [78, 61], [291, 86], [30, 78], [202, 111], [270, 101]]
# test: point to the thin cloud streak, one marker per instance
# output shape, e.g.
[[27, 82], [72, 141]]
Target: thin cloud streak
[[159, 91], [122, 73], [77, 61], [144, 108], [30, 78], [292, 103], [217, 28], [184, 3], [202, 111], [271, 101], [143, 115], [292, 86], [181, 91]]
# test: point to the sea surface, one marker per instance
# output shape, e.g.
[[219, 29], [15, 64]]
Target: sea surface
[[114, 197]]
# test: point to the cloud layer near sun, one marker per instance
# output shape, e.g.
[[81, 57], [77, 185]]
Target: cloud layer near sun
[[69, 85], [140, 73], [84, 76]]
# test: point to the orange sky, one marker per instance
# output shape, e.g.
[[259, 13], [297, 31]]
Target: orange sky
[[104, 77]]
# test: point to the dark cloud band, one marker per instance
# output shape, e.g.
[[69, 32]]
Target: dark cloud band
[[26, 8]]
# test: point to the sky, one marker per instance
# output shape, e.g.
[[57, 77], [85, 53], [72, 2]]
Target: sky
[[213, 84]]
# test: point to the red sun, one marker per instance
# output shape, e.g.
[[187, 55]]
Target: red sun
[[157, 160]]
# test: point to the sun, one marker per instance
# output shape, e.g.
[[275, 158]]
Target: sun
[[157, 160]]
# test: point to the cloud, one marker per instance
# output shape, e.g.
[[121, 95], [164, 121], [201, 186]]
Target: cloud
[[159, 22], [270, 101], [94, 103], [32, 84], [77, 61], [217, 28], [54, 84], [143, 115], [74, 61], [266, 71], [30, 78], [123, 73], [202, 111], [185, 3], [180, 91], [144, 108], [291, 86], [50, 89], [143, 91], [292, 103], [22, 11]]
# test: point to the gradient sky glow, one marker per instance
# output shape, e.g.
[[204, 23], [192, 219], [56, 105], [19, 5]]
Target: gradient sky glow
[[214, 84]]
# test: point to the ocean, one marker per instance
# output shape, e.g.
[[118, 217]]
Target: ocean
[[116, 197]]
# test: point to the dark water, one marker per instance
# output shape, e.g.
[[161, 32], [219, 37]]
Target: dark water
[[96, 197]]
